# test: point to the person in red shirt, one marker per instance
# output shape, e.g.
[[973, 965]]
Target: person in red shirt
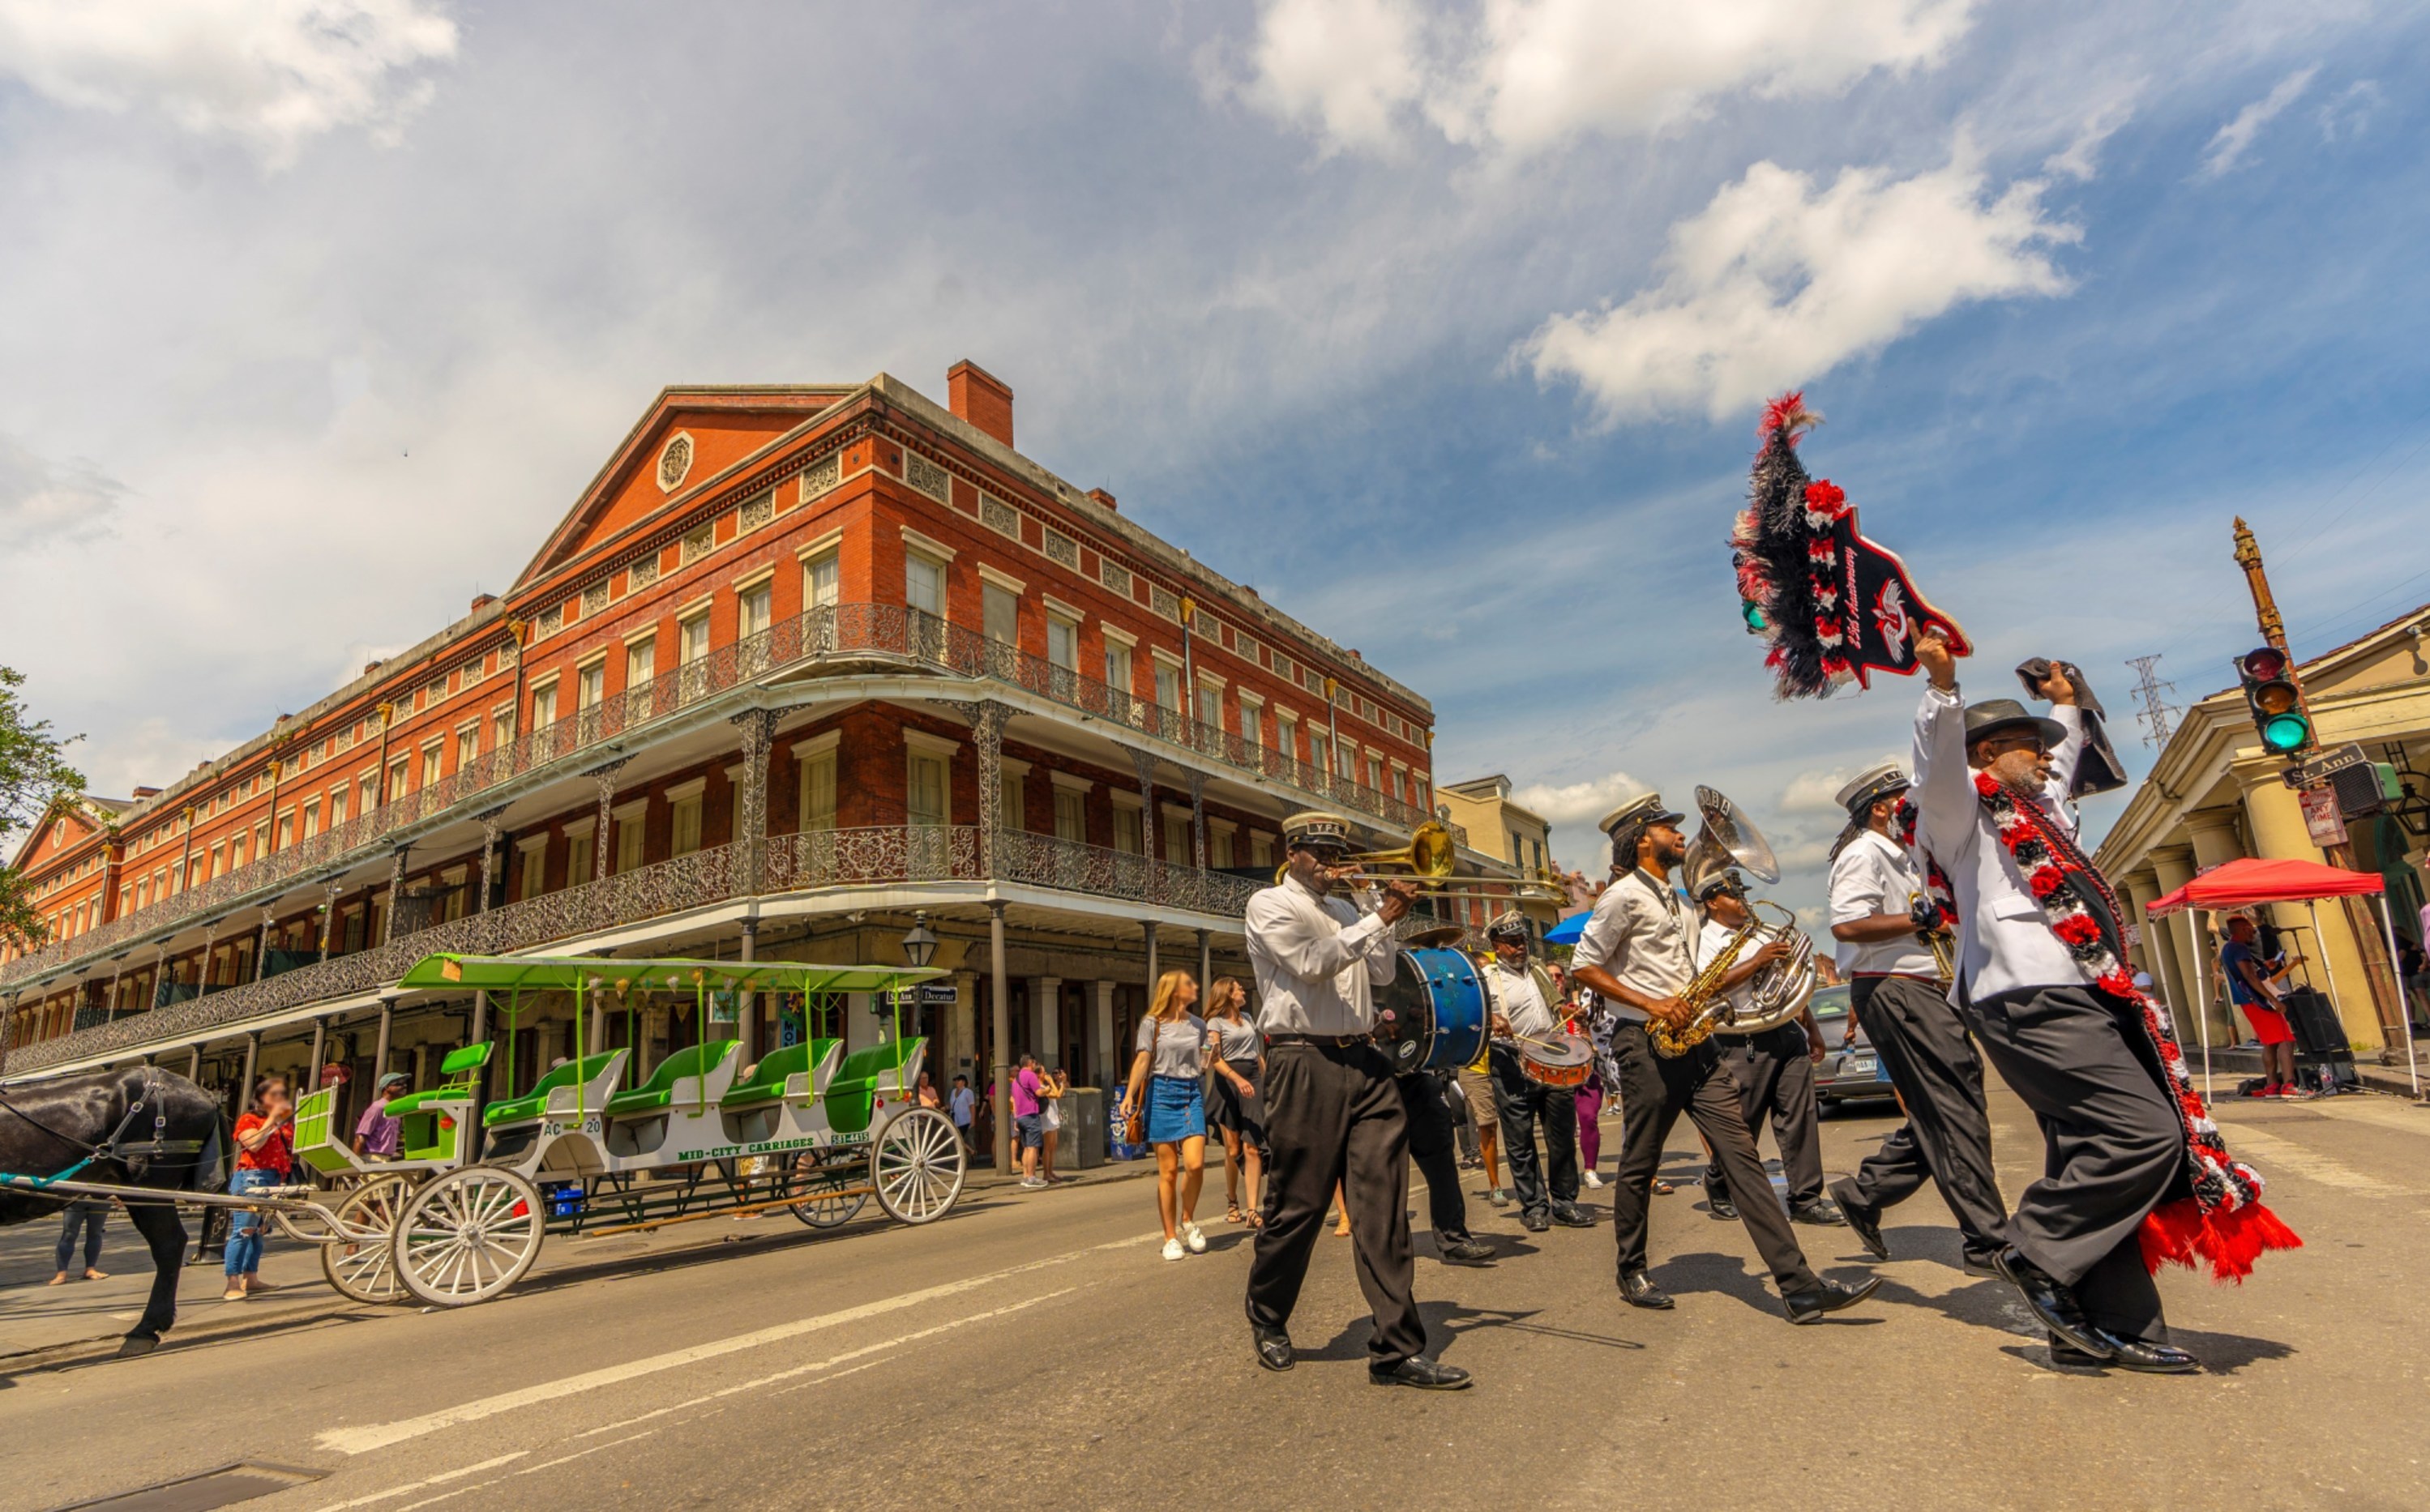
[[265, 1155]]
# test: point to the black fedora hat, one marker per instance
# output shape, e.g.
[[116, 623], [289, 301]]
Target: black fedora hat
[[1995, 715]]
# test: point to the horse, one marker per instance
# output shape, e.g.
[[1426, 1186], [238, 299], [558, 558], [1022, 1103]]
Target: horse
[[141, 1127]]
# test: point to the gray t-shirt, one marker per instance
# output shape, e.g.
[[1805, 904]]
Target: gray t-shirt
[[1178, 1047], [1237, 1040]]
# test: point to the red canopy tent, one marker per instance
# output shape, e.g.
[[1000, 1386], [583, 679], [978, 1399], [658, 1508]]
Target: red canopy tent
[[2241, 884]]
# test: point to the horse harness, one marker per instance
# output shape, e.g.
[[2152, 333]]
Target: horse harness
[[136, 1157]]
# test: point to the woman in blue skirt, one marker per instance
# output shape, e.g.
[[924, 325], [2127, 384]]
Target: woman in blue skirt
[[1169, 1071]]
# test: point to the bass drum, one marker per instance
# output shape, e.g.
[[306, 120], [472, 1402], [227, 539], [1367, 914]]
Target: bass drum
[[1437, 1002]]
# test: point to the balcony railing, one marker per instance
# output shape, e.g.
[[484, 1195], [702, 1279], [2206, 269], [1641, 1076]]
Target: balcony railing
[[790, 863], [842, 633]]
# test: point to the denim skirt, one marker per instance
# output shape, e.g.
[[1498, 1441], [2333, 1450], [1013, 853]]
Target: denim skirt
[[1177, 1109]]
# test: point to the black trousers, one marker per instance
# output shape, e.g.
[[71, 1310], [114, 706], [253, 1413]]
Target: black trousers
[[1335, 1114], [1429, 1117], [1776, 1081], [1653, 1092], [1947, 1137], [1522, 1104], [2079, 1058]]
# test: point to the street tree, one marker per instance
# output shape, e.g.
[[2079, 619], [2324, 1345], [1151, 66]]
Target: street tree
[[34, 781]]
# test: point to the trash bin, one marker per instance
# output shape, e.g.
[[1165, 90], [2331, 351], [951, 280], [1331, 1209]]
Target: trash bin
[[1084, 1127]]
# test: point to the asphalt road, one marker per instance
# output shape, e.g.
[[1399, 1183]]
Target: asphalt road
[[1033, 1349]]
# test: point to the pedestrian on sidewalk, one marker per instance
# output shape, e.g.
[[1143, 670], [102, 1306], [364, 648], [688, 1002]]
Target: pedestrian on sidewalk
[[1053, 1087], [265, 1141], [377, 1136], [1590, 1127], [965, 1105], [87, 1213], [1168, 1073], [1028, 1125], [927, 1092], [1239, 1111]]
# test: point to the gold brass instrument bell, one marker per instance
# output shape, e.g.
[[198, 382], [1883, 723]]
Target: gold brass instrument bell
[[1432, 857]]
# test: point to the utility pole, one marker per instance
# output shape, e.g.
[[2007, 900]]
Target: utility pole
[[2155, 711], [2387, 1002]]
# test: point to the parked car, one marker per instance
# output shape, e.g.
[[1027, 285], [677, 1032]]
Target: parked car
[[1855, 1074]]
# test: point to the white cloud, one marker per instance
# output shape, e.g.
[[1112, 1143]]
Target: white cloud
[[2229, 143], [2349, 114], [1776, 282], [269, 72], [2080, 158], [1525, 75], [1815, 790], [49, 504], [1577, 803]]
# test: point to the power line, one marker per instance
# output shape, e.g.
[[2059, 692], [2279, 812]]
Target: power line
[[2155, 711]]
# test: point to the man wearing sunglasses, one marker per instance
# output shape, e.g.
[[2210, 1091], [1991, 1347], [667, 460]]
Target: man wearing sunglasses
[[1986, 775]]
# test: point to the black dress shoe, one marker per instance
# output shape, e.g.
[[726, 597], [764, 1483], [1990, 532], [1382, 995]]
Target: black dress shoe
[[1982, 1263], [2054, 1302], [1829, 1297], [1569, 1215], [1720, 1209], [1274, 1348], [1534, 1221], [2130, 1354], [1638, 1290], [1420, 1371], [1462, 1251], [1863, 1218], [1820, 1213]]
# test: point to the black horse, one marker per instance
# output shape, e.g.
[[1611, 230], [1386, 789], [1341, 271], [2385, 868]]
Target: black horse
[[138, 1127]]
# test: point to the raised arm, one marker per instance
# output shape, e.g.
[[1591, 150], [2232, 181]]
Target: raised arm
[[1943, 792]]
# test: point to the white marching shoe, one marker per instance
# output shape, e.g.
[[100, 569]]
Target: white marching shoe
[[1197, 1241], [1172, 1249], [1593, 1179]]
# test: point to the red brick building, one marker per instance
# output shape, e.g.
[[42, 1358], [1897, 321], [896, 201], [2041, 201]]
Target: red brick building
[[798, 663]]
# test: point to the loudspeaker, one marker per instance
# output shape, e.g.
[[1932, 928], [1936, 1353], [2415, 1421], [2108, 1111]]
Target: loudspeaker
[[2317, 1030]]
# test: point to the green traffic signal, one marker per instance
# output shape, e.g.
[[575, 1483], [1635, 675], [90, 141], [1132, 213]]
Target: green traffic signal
[[2285, 733]]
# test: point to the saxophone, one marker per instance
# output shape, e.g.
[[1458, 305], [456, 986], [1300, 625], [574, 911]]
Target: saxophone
[[1703, 995]]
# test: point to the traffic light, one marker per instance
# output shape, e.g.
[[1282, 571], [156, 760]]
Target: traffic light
[[2271, 697]]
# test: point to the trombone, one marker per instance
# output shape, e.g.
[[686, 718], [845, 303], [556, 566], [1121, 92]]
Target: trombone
[[1432, 857]]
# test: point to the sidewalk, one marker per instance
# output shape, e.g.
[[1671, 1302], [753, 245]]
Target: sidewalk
[[41, 1324]]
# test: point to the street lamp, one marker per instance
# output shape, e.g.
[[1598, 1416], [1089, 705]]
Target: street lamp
[[919, 945]]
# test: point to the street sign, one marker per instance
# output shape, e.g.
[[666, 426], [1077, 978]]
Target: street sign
[[2321, 817], [2317, 771], [929, 994]]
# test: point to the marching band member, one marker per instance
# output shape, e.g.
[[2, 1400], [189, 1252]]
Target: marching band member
[[1636, 954], [1425, 1101], [1333, 1113], [1880, 913], [2041, 981], [1520, 1011], [1774, 1068]]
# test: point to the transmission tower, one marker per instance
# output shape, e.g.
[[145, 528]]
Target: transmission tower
[[2155, 711]]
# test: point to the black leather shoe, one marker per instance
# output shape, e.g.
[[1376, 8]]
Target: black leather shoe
[[1863, 1219], [1569, 1215], [1534, 1221], [1805, 1307], [2054, 1303], [2131, 1354], [1274, 1348], [1820, 1213], [1720, 1209], [1422, 1372], [1982, 1263], [1462, 1251], [1638, 1290]]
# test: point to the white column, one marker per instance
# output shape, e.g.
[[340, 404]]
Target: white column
[[1100, 995], [1046, 1018]]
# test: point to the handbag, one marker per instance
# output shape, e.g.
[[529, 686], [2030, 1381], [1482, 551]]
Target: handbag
[[1135, 1117]]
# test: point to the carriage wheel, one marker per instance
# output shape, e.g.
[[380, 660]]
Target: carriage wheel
[[917, 1163], [844, 1191], [468, 1236], [361, 1263]]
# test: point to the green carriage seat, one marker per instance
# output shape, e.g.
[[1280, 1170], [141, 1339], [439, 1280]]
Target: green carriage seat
[[700, 1062], [463, 1069], [766, 1083], [316, 1141], [534, 1103], [865, 1076]]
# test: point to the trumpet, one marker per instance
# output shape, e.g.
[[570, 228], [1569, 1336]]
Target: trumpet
[[1431, 859]]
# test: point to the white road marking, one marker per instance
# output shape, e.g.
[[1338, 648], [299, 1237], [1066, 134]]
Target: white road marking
[[379, 1435], [2272, 1152], [428, 1481]]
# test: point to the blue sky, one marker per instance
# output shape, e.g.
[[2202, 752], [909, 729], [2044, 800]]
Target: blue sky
[[1443, 325]]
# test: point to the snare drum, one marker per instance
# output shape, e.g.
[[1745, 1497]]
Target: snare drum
[[1562, 1062], [1437, 1002]]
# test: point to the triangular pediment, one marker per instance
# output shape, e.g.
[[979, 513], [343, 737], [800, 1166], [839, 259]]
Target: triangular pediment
[[687, 437], [68, 824]]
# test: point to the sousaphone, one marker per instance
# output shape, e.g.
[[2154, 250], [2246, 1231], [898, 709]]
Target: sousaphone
[[1728, 840]]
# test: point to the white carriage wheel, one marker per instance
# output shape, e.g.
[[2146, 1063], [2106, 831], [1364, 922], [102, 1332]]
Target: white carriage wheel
[[918, 1165], [828, 1209], [361, 1263], [468, 1236]]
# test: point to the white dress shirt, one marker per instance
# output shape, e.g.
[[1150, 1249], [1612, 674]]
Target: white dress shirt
[[1874, 874], [1711, 939], [2004, 943], [1641, 934], [1318, 960], [1516, 994]]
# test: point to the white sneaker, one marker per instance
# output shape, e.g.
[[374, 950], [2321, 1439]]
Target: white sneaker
[[1197, 1241], [1172, 1249], [1593, 1179]]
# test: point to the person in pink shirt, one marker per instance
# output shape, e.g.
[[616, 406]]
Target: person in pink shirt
[[1028, 1125]]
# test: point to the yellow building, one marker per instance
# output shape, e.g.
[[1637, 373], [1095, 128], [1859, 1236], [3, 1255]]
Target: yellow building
[[1501, 833], [2214, 795]]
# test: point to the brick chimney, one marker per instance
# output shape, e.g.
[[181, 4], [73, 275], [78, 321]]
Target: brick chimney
[[482, 601], [1103, 498], [980, 397], [142, 794]]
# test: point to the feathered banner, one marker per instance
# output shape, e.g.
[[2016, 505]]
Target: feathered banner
[[1833, 606]]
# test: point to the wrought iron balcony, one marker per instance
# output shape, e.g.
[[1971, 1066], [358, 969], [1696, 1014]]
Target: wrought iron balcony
[[846, 637]]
